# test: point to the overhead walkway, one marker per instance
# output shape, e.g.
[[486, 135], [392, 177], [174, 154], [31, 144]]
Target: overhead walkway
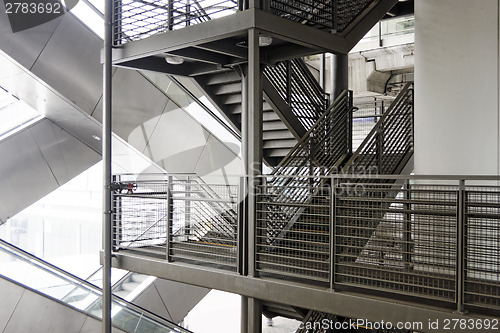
[[69, 303]]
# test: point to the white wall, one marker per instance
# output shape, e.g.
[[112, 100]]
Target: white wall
[[457, 87]]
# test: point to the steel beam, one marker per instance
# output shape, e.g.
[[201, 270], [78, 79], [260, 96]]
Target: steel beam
[[233, 25], [347, 304], [196, 54], [225, 47]]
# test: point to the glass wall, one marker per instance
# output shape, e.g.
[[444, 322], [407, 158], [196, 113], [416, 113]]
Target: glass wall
[[63, 228]]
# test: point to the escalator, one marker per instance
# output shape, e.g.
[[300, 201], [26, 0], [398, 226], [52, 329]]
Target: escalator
[[61, 287]]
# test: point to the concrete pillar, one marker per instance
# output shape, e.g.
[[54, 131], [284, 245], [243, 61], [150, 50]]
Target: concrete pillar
[[457, 121]]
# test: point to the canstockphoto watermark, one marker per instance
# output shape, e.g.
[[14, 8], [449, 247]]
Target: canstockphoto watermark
[[26, 14], [353, 324]]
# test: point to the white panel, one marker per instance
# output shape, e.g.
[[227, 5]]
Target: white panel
[[38, 160], [70, 64], [25, 46], [175, 140], [151, 301], [25, 174], [217, 161], [65, 155], [36, 313], [456, 87], [11, 293], [135, 101], [179, 298], [46, 101]]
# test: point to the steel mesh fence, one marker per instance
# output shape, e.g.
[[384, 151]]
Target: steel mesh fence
[[395, 237], [302, 250], [482, 246]]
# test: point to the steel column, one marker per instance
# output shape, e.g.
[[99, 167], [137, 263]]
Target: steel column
[[244, 314], [339, 75], [106, 154], [254, 315], [252, 138]]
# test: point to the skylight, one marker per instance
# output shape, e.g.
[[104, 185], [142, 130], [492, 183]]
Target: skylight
[[90, 12]]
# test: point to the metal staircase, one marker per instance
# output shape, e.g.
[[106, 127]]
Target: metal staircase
[[293, 101], [294, 226]]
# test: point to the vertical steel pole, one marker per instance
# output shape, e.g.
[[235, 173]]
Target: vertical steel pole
[[106, 154], [252, 154], [170, 216], [254, 138], [460, 273]]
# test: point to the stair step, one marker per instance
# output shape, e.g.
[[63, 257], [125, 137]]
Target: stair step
[[221, 78], [270, 116], [287, 143], [277, 152], [229, 88], [277, 135], [274, 125], [231, 99]]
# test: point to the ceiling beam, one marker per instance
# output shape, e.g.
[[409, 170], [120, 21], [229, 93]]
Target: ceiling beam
[[155, 64], [225, 47], [196, 54]]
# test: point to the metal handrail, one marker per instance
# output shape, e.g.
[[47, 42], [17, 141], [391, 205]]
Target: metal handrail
[[75, 280], [296, 85], [402, 96]]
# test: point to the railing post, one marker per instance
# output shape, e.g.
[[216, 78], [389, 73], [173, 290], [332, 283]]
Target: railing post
[[187, 209], [188, 13], [407, 246], [289, 82], [116, 208], [460, 268], [335, 23], [333, 185], [170, 15], [241, 259], [169, 215], [349, 128]]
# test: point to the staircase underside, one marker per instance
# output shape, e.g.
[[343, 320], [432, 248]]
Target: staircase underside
[[219, 43]]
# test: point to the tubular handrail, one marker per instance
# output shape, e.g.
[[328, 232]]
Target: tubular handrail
[[75, 280]]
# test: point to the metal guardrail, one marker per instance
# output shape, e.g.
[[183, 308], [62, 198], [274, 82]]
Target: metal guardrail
[[390, 141], [139, 19], [424, 237], [180, 218], [296, 85], [332, 15]]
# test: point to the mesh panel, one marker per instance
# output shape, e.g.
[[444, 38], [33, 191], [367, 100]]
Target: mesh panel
[[482, 247], [402, 239], [136, 20]]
